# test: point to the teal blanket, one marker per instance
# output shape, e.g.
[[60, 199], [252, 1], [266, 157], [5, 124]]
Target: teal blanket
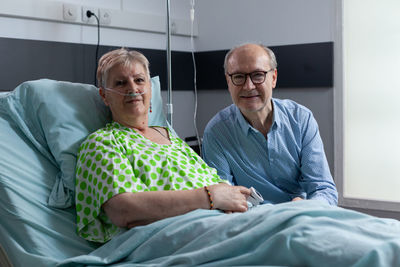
[[303, 233]]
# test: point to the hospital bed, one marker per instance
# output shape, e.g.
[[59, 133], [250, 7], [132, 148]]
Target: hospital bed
[[42, 123]]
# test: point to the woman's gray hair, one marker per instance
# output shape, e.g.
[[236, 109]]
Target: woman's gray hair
[[272, 59], [119, 56]]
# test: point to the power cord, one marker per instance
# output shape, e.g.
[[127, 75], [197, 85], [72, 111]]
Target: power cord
[[89, 14]]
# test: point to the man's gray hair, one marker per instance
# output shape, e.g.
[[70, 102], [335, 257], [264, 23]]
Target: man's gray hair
[[272, 59]]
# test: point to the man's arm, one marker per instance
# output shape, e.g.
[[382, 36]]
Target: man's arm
[[316, 178], [214, 156]]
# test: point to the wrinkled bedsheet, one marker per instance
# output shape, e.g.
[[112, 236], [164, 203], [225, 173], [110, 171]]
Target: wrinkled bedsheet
[[303, 233]]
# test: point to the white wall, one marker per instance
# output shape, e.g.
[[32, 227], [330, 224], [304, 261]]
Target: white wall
[[221, 24], [225, 23], [17, 27]]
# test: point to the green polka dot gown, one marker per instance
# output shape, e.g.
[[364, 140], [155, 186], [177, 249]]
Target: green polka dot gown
[[117, 159]]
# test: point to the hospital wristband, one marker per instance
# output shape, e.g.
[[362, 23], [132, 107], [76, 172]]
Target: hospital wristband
[[209, 197]]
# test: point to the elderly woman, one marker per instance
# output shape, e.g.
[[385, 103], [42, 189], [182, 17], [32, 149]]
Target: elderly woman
[[130, 174]]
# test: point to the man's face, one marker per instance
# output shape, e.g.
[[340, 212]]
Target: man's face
[[250, 97]]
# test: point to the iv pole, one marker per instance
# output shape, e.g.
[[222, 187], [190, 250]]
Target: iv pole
[[169, 79]]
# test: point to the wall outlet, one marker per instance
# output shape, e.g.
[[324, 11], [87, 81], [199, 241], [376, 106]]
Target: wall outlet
[[104, 16], [70, 12], [92, 19]]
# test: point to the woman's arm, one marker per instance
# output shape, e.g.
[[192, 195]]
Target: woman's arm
[[133, 209]]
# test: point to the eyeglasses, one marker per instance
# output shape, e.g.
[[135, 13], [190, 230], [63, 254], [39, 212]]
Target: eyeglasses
[[257, 77]]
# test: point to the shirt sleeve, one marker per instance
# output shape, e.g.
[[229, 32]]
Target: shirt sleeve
[[214, 156], [316, 178], [102, 172]]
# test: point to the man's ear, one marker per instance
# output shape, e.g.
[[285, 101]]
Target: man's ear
[[102, 93], [274, 78]]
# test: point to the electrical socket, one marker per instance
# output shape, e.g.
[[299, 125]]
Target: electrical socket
[[70, 12], [92, 19], [104, 16]]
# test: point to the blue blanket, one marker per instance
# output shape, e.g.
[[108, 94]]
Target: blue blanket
[[303, 233]]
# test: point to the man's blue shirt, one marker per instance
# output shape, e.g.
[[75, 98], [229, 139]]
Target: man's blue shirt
[[289, 163]]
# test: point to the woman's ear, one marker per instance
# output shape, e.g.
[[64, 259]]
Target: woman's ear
[[151, 89], [102, 93]]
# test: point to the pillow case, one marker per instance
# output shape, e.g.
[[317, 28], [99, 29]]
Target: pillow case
[[57, 116]]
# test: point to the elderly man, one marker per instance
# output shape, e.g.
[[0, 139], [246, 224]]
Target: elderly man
[[270, 144]]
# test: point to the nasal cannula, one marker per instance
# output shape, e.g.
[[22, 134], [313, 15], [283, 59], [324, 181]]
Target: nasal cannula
[[128, 94]]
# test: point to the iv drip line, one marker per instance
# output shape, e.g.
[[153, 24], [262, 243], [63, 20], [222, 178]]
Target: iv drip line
[[194, 76]]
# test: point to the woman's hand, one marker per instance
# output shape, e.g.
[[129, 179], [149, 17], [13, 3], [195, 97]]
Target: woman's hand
[[229, 198], [297, 199]]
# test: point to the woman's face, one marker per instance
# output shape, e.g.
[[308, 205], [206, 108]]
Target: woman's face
[[132, 78]]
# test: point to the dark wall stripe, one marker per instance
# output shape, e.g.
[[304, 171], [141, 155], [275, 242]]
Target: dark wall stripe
[[299, 66], [304, 65], [24, 60]]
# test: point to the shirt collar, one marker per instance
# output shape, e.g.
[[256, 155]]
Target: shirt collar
[[245, 125], [277, 116]]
